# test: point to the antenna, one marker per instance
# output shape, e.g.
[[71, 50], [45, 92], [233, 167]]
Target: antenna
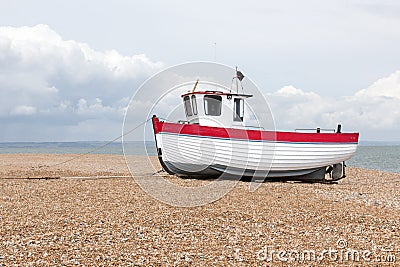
[[237, 83], [215, 52], [195, 85]]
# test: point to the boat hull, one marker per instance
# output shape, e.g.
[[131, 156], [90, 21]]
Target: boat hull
[[194, 150]]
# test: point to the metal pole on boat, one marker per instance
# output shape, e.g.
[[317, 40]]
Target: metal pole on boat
[[215, 52], [195, 85], [237, 83]]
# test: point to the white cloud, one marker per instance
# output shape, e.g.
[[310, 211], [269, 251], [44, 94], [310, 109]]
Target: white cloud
[[290, 90], [374, 111], [385, 87], [51, 86], [23, 110], [96, 108], [42, 74]]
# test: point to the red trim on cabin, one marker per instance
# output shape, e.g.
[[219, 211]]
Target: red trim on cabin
[[256, 135]]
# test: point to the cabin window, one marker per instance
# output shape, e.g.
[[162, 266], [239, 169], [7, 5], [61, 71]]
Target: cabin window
[[194, 104], [188, 108], [212, 105], [238, 109]]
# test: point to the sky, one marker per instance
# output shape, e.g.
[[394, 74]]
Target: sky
[[69, 68]]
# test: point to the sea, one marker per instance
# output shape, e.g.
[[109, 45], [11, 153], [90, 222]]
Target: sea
[[384, 156]]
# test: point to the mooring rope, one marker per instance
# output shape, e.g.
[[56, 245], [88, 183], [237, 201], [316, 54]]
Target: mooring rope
[[99, 147], [91, 177], [116, 176], [82, 155]]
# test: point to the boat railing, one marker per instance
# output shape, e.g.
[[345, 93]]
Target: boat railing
[[254, 127], [318, 130]]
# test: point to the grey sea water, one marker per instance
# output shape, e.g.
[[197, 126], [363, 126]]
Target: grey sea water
[[94, 147], [376, 156], [384, 158]]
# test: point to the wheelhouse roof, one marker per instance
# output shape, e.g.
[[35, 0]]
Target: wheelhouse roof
[[214, 93]]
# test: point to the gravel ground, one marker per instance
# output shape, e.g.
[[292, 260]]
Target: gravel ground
[[111, 222]]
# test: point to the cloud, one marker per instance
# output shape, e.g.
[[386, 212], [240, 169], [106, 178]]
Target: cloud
[[23, 110], [386, 87], [46, 77], [290, 90], [56, 89], [373, 111]]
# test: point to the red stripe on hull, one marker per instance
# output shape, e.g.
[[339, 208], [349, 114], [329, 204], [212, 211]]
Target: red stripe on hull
[[218, 132]]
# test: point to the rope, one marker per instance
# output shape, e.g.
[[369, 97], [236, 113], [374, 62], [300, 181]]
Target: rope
[[93, 177], [100, 147], [130, 131]]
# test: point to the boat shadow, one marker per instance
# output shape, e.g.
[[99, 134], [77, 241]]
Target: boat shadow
[[249, 179]]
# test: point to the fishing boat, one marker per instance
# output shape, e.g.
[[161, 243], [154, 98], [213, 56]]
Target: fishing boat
[[214, 139]]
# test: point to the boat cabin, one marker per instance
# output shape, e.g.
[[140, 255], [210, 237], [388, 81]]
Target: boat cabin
[[215, 108]]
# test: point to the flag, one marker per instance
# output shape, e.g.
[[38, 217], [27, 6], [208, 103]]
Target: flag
[[239, 75]]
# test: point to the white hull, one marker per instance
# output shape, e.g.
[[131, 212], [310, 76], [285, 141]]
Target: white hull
[[199, 155]]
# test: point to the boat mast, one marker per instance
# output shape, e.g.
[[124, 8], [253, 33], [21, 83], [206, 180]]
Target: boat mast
[[195, 85], [237, 83], [215, 52]]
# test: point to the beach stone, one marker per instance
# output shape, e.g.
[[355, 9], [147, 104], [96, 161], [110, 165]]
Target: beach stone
[[88, 218]]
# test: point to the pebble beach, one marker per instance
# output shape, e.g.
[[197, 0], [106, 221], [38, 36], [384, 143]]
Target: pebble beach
[[91, 212]]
